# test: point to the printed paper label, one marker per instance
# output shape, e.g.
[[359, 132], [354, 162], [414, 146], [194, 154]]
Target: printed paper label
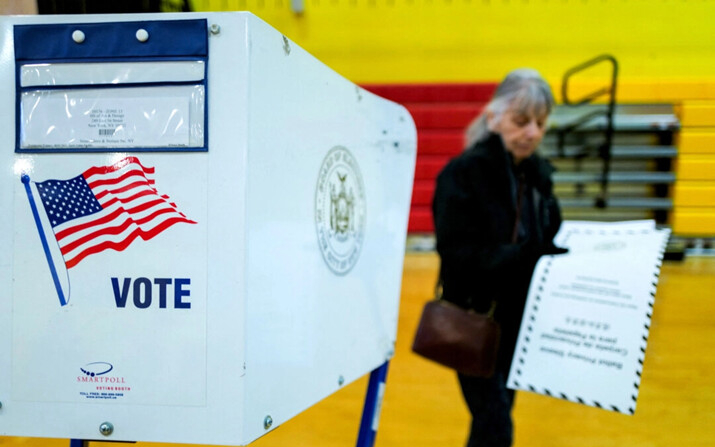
[[91, 119]]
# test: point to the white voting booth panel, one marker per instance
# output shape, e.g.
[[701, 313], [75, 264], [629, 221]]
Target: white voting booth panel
[[202, 227]]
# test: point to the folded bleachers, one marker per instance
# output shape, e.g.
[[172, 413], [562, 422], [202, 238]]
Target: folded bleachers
[[640, 176]]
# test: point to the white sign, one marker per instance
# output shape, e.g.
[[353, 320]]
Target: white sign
[[110, 263], [587, 315]]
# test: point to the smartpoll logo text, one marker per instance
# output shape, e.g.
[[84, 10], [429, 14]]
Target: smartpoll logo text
[[96, 372], [96, 383]]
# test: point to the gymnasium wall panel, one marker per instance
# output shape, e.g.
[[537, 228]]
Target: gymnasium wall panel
[[665, 48]]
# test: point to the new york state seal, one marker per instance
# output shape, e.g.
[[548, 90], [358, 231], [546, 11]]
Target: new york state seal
[[340, 210]]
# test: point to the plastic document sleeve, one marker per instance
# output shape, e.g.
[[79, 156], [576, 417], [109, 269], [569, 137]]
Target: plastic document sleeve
[[152, 99]]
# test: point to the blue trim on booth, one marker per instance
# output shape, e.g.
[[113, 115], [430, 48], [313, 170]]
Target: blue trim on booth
[[42, 88], [100, 150], [373, 403], [112, 40]]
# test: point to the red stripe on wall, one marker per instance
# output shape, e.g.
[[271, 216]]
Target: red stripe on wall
[[444, 115], [406, 93], [441, 113]]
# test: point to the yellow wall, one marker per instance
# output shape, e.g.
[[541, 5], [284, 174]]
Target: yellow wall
[[666, 48]]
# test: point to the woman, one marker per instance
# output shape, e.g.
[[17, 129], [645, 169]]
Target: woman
[[495, 214]]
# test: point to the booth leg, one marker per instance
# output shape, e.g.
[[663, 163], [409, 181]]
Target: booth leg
[[373, 404]]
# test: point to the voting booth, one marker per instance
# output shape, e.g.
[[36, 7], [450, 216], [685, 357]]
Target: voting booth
[[202, 227]]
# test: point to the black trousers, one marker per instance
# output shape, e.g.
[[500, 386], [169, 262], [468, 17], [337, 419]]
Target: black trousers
[[490, 403]]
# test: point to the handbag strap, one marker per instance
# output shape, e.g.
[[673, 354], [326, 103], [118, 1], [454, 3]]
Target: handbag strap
[[439, 291], [439, 285], [521, 187]]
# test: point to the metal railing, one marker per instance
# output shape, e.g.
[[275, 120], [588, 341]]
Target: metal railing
[[604, 149]]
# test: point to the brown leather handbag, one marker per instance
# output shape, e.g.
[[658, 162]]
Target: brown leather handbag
[[458, 338]]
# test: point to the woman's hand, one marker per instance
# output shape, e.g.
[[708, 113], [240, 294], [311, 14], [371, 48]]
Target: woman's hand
[[533, 251]]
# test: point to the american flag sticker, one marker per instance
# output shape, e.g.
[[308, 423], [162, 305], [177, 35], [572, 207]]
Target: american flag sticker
[[103, 208]]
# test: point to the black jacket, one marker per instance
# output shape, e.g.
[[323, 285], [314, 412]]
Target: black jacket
[[474, 210]]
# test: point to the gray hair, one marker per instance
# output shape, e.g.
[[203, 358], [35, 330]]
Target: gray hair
[[525, 89]]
